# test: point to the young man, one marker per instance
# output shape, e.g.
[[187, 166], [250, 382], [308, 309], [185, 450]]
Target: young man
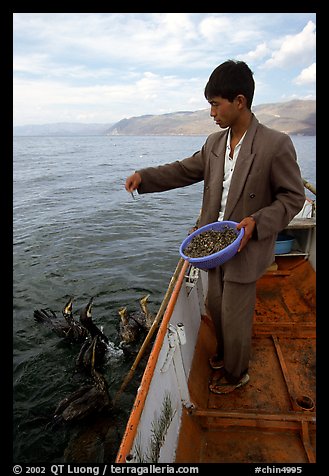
[[250, 176]]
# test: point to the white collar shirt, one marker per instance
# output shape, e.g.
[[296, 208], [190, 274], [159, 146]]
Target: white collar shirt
[[229, 165]]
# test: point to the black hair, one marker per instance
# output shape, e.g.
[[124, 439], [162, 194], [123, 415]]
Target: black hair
[[230, 79]]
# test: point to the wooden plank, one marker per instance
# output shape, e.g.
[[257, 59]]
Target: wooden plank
[[285, 372], [301, 223], [285, 329], [307, 443], [247, 415], [252, 445]]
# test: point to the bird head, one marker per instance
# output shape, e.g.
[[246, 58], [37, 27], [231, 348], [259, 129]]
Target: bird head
[[85, 314], [143, 303], [123, 313], [67, 310]]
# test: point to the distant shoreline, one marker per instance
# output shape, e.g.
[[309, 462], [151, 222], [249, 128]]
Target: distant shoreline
[[297, 117], [140, 135]]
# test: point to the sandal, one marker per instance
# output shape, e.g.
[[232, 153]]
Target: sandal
[[226, 387]]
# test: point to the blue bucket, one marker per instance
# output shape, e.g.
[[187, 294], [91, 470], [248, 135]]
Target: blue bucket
[[283, 244]]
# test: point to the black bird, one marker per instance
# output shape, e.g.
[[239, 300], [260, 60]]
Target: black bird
[[87, 322], [144, 318], [88, 399], [129, 328], [96, 338], [68, 328]]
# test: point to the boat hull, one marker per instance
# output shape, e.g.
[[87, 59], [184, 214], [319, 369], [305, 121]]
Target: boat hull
[[175, 419]]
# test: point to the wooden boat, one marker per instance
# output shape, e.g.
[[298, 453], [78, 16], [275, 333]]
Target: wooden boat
[[175, 419]]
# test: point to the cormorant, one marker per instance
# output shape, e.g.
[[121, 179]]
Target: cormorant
[[68, 327], [87, 322], [129, 328], [96, 340], [144, 318], [88, 399]]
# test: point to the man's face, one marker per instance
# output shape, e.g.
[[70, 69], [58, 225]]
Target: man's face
[[223, 111]]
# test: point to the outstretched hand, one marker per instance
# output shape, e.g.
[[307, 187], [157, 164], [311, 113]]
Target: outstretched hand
[[133, 182], [248, 224]]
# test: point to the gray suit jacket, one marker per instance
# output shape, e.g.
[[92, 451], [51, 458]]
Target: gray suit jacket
[[266, 183]]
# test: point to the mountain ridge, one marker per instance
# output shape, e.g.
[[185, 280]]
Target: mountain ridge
[[292, 117]]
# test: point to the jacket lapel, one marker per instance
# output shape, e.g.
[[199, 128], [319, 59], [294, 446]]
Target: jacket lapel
[[217, 158], [241, 170], [213, 181]]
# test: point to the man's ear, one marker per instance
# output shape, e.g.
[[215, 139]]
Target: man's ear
[[241, 100]]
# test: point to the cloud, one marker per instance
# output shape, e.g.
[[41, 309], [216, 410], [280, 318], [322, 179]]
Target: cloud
[[139, 38], [213, 28], [107, 66], [258, 53], [294, 49], [307, 76], [179, 25], [230, 29], [148, 92]]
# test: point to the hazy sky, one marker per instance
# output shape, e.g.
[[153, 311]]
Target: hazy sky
[[103, 67]]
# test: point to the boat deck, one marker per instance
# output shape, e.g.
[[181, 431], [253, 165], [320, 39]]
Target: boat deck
[[272, 418]]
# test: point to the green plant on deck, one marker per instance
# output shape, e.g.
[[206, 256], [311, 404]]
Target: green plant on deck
[[159, 428]]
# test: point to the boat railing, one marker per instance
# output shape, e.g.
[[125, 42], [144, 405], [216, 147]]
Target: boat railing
[[303, 228], [309, 186]]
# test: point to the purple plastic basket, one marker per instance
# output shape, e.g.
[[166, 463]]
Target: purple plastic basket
[[215, 259]]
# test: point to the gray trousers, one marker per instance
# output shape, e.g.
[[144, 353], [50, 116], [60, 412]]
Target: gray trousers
[[231, 308]]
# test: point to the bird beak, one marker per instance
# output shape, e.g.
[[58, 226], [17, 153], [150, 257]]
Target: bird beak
[[90, 303], [68, 307]]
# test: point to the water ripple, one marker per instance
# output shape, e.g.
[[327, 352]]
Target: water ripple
[[77, 232]]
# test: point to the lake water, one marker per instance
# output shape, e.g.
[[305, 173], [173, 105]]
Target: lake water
[[77, 232]]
